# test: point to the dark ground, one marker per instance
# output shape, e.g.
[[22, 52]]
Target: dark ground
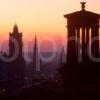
[[89, 92]]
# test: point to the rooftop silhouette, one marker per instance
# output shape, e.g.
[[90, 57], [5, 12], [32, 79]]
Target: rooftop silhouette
[[82, 64], [82, 22]]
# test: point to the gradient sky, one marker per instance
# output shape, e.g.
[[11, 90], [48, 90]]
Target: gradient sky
[[39, 17]]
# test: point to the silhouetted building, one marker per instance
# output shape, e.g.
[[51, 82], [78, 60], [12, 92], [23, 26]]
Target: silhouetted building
[[79, 25], [16, 68], [83, 45]]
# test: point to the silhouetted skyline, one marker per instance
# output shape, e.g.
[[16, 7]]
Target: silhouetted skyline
[[72, 71], [41, 18]]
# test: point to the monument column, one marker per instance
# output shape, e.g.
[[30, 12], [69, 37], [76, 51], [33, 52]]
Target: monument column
[[95, 41], [72, 46], [83, 44]]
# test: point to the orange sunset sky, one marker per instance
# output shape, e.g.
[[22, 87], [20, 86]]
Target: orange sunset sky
[[39, 17]]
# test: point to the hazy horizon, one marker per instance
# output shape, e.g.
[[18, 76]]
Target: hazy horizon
[[41, 18]]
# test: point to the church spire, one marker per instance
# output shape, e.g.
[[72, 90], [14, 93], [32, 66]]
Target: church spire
[[36, 58], [15, 28]]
